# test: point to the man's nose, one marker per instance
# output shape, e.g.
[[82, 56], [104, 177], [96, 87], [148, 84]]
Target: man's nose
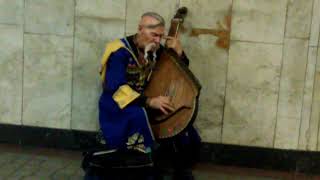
[[157, 39]]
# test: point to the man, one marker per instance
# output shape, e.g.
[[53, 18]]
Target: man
[[123, 108]]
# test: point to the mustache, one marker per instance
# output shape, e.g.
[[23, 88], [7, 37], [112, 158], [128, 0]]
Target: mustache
[[151, 47], [150, 50]]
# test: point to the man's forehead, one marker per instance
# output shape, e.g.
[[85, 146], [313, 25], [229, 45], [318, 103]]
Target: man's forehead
[[159, 30], [150, 21]]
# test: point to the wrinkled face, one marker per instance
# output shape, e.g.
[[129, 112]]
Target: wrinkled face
[[149, 34]]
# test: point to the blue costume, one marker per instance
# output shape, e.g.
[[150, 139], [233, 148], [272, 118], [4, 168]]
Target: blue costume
[[122, 114], [123, 118]]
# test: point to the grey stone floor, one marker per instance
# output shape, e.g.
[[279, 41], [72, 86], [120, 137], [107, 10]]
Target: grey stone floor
[[30, 163]]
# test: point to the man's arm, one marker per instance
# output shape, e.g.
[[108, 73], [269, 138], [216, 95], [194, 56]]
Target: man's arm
[[116, 81]]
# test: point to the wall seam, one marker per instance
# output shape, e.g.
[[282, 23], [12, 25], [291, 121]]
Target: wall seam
[[11, 24], [305, 79], [317, 56], [48, 34], [226, 80], [280, 75], [256, 42], [125, 17], [23, 52], [303, 96], [72, 61]]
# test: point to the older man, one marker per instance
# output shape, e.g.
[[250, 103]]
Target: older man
[[125, 70]]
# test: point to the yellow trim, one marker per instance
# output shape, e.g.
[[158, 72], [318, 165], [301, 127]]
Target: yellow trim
[[111, 48], [124, 95]]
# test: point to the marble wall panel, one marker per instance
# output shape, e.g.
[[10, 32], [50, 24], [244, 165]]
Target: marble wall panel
[[305, 141], [135, 8], [315, 26], [291, 93], [11, 11], [311, 135], [258, 20], [11, 64], [101, 9], [49, 17], [315, 114], [47, 81], [252, 94], [299, 18], [293, 77], [287, 133], [206, 13], [93, 31], [207, 60]]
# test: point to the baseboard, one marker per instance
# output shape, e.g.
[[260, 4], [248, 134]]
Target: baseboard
[[220, 154], [261, 158], [47, 137]]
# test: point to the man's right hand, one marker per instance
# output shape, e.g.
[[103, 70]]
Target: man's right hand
[[162, 103]]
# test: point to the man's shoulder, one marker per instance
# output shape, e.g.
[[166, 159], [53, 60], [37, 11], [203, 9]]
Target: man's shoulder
[[115, 45], [124, 47], [122, 51]]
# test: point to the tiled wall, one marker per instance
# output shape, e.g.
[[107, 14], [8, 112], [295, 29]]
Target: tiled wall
[[258, 62]]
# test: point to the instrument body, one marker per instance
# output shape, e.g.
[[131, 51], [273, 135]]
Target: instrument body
[[171, 77]]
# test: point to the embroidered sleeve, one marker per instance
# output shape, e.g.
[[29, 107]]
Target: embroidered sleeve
[[115, 79], [124, 96]]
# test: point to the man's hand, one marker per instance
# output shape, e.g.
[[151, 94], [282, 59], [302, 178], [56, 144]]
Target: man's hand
[[174, 43], [162, 103]]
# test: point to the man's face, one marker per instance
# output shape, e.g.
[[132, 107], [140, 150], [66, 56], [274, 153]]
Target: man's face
[[150, 36]]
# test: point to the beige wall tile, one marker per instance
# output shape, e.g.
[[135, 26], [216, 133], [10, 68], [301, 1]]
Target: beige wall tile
[[90, 38], [49, 17], [315, 26], [315, 114], [208, 61], [47, 81], [313, 131], [11, 11], [290, 98], [292, 78], [206, 13], [11, 63], [305, 127], [252, 94], [299, 18], [287, 133], [258, 20], [108, 9], [135, 8], [291, 93]]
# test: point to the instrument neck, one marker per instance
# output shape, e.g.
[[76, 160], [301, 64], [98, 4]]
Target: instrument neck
[[174, 27]]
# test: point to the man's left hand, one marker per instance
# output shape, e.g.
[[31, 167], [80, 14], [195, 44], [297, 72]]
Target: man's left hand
[[174, 43]]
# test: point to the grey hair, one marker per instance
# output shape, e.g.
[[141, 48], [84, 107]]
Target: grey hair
[[155, 16]]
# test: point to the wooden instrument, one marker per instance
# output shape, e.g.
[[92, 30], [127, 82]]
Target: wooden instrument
[[171, 77]]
